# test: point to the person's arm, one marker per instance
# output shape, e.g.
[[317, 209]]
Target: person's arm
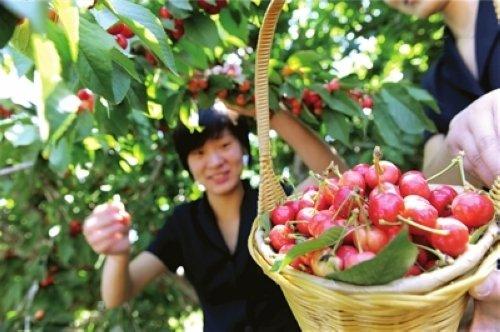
[[311, 149], [122, 280], [106, 231], [315, 153]]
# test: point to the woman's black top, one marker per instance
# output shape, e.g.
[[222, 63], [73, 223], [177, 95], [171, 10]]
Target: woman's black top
[[234, 293], [450, 81]]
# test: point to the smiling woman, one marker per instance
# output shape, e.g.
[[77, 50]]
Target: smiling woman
[[207, 237]]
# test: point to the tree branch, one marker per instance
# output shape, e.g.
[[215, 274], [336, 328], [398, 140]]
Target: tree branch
[[16, 168]]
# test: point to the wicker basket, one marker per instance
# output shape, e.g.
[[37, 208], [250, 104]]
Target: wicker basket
[[434, 300]]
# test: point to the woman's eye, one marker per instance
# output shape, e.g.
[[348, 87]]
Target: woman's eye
[[227, 144]]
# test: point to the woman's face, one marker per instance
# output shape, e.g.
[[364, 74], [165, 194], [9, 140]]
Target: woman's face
[[420, 8], [218, 164]]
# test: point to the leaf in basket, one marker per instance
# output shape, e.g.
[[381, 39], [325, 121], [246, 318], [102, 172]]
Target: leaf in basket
[[476, 235], [264, 222], [390, 264], [328, 238]]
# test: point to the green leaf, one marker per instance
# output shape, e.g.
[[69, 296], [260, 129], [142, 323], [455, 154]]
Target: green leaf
[[146, 26], [202, 32], [384, 124], [338, 126], [182, 4], [60, 40], [422, 96], [84, 125], [69, 20], [389, 264], [8, 24], [340, 102], [192, 55], [308, 117], [60, 156], [121, 83], [402, 115], [48, 65], [264, 222], [22, 63], [304, 60], [121, 59], [219, 82], [94, 59], [20, 135], [34, 11], [328, 238], [234, 25]]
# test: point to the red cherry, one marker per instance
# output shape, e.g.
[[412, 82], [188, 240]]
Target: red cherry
[[344, 194], [116, 28], [473, 209], [39, 315], [52, 15], [178, 31], [455, 243], [355, 259], [48, 281], [414, 183], [320, 222], [245, 86], [390, 173], [212, 9], [385, 187], [355, 93], [324, 198], [304, 217], [386, 206], [127, 32], [420, 211], [353, 180], [222, 94], [164, 13], [349, 237], [333, 85], [372, 239], [366, 102], [414, 270], [75, 228], [423, 257], [279, 236], [361, 168], [345, 250], [87, 100], [298, 263], [307, 200], [294, 205], [122, 41], [281, 214], [441, 198], [150, 58], [241, 100]]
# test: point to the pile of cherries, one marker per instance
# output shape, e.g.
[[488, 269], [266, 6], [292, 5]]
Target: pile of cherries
[[374, 203]]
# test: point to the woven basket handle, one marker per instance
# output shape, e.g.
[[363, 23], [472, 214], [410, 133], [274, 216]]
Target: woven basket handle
[[270, 190], [495, 194]]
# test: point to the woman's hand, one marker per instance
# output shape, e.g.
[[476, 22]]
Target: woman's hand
[[106, 229], [476, 130], [487, 304]]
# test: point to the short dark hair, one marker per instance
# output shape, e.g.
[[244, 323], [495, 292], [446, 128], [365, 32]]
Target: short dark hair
[[213, 123]]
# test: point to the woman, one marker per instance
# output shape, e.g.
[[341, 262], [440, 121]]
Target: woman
[[208, 237]]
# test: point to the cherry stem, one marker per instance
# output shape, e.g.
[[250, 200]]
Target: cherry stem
[[424, 228], [356, 240], [448, 260], [388, 223], [460, 159], [454, 162], [377, 155]]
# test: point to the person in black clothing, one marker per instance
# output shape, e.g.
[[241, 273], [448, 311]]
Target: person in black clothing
[[465, 81], [208, 237]]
